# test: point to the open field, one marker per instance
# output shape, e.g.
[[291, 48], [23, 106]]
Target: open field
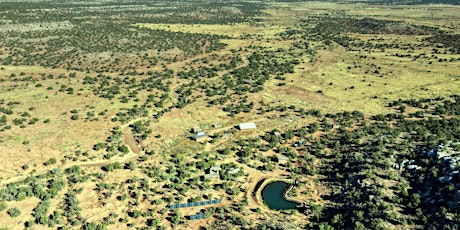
[[234, 31], [100, 102]]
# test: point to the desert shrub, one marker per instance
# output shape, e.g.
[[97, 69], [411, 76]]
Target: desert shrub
[[99, 146], [112, 166], [50, 161], [74, 117], [3, 206], [14, 212]]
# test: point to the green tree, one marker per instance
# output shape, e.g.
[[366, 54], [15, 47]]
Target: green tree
[[50, 161], [14, 212], [75, 117], [123, 149], [3, 206], [316, 210]]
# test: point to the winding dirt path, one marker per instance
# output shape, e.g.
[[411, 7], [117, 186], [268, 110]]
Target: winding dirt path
[[131, 155]]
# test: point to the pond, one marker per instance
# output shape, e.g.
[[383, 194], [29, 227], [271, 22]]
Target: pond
[[273, 196]]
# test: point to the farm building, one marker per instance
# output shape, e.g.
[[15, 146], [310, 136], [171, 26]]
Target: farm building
[[250, 125], [196, 130], [211, 176], [213, 173], [282, 159], [233, 171], [299, 143], [199, 135], [215, 169]]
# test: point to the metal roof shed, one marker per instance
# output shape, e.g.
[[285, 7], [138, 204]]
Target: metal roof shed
[[250, 125], [199, 135]]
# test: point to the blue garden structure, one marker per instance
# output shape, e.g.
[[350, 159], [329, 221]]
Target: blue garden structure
[[197, 216], [194, 204]]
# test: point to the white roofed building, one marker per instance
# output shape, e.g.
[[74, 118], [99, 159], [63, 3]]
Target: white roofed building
[[249, 125]]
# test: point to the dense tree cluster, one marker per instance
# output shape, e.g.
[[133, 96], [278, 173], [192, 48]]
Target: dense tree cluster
[[103, 47]]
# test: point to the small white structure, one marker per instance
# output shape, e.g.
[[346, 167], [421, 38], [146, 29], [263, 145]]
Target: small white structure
[[199, 134], [413, 167], [233, 171], [282, 159], [211, 176], [215, 169], [196, 130], [299, 143], [249, 125], [213, 173]]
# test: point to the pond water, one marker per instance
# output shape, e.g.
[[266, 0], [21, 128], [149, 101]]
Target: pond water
[[272, 195]]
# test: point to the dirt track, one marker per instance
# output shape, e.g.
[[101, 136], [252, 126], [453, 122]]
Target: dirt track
[[131, 155]]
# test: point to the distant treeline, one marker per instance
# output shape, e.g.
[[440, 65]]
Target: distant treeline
[[453, 2], [401, 2]]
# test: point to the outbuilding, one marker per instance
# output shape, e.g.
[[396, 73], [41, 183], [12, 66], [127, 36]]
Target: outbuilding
[[249, 125], [199, 135], [299, 143], [282, 159]]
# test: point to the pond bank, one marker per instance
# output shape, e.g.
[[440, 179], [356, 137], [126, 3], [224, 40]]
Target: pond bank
[[260, 186]]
